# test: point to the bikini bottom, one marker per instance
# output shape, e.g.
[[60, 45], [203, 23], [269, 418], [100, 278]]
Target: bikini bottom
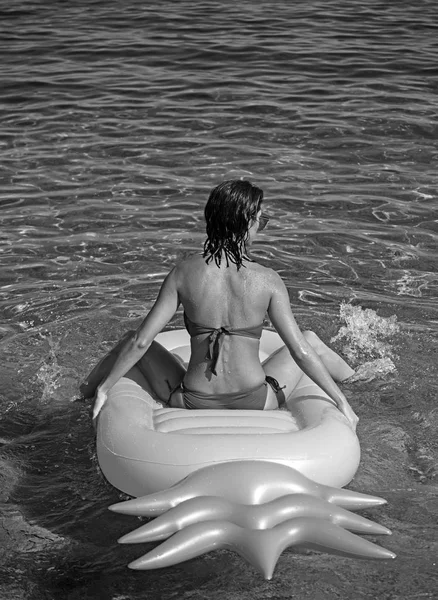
[[254, 399]]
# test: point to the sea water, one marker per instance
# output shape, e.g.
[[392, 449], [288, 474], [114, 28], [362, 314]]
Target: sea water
[[116, 119]]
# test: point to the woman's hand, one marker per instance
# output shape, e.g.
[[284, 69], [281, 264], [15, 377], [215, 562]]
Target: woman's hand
[[100, 399]]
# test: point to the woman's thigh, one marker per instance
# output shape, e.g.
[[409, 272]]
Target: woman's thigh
[[161, 369], [282, 367], [273, 399], [103, 368]]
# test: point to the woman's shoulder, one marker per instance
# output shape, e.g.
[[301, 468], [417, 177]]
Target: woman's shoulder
[[189, 262], [195, 264], [187, 266], [267, 273]]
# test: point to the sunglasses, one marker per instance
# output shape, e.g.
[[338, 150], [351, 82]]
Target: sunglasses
[[263, 221]]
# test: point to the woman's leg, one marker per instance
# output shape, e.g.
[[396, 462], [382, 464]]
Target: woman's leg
[[176, 398], [285, 370], [103, 367], [272, 399], [335, 364], [282, 367], [161, 369]]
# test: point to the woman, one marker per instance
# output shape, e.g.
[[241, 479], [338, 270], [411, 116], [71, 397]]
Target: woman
[[225, 296]]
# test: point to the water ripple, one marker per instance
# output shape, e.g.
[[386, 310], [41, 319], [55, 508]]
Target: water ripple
[[117, 120]]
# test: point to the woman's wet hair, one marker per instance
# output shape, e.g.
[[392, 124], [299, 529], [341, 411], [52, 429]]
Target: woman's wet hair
[[230, 210]]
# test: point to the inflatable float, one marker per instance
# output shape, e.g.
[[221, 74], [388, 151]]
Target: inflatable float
[[254, 481]]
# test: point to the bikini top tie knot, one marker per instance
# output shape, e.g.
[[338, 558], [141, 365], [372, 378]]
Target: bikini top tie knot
[[216, 337], [215, 343]]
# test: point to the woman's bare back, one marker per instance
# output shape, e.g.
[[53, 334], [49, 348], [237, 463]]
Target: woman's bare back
[[224, 297]]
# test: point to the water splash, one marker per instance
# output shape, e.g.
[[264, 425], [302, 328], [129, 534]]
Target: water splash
[[365, 337], [51, 374], [380, 367]]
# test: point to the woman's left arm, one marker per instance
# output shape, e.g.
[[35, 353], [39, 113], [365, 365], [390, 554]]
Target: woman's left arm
[[136, 345]]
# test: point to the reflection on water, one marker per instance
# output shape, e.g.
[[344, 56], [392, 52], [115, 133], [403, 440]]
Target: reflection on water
[[117, 118]]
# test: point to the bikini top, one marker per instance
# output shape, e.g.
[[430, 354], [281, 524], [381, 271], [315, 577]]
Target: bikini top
[[216, 337]]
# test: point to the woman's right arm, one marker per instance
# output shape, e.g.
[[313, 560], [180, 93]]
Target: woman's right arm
[[307, 359], [137, 344]]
